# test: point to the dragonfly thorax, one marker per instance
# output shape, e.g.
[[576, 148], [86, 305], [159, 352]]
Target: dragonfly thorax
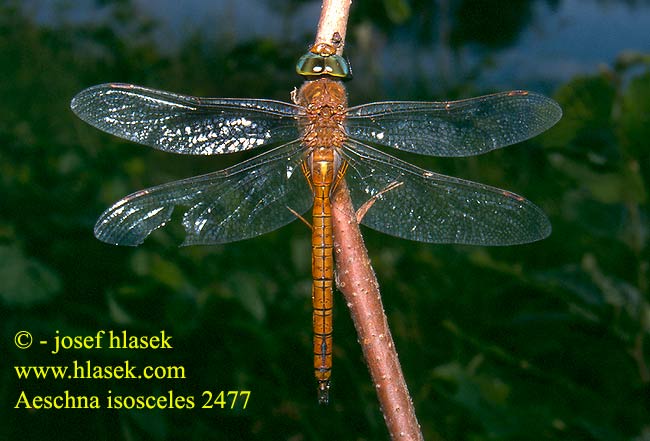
[[324, 102]]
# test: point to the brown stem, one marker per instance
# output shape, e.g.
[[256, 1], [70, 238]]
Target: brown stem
[[356, 280], [333, 20]]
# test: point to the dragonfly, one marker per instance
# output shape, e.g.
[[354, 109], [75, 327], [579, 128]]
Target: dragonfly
[[308, 147]]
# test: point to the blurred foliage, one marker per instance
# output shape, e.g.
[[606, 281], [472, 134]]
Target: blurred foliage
[[546, 341]]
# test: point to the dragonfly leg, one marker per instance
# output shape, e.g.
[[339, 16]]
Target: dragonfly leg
[[305, 171], [339, 175], [299, 216], [361, 212]]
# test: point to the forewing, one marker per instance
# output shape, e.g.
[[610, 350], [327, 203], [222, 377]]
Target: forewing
[[185, 124], [424, 206], [240, 202], [455, 128]]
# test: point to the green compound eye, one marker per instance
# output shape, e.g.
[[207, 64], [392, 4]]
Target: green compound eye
[[313, 65]]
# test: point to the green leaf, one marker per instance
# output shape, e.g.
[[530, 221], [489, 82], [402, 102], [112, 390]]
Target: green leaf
[[634, 117], [248, 291], [398, 11], [587, 108], [163, 271], [25, 281], [624, 186]]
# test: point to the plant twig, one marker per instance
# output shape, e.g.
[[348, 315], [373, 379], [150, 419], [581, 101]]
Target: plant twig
[[356, 278], [333, 23]]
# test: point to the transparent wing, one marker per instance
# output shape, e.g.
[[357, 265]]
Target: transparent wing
[[429, 207], [455, 128], [185, 124], [237, 203]]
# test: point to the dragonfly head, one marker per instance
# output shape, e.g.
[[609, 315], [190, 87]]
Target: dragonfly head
[[322, 60]]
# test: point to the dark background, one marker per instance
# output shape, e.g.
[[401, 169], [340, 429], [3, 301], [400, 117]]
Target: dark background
[[546, 341]]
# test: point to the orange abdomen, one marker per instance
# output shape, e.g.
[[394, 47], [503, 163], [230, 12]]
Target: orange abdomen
[[325, 102]]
